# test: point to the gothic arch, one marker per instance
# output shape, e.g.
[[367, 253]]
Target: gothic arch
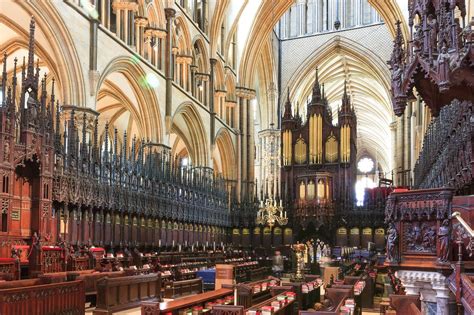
[[154, 12], [201, 56], [141, 115], [225, 152], [188, 125], [182, 37], [51, 36]]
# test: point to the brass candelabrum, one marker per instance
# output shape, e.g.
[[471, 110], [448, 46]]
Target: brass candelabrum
[[271, 213], [299, 251]]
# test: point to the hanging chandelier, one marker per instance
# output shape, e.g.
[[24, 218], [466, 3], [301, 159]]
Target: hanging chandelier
[[270, 213]]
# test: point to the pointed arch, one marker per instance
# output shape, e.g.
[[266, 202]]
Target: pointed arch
[[200, 54], [154, 11], [225, 152], [182, 37], [188, 125], [53, 37], [134, 95]]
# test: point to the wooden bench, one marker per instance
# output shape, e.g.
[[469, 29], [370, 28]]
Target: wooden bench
[[45, 299], [246, 295], [90, 278], [9, 269], [287, 309], [116, 294], [183, 288], [173, 307], [403, 304], [334, 310]]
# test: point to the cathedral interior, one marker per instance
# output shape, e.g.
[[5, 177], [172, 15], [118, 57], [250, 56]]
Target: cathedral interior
[[236, 157]]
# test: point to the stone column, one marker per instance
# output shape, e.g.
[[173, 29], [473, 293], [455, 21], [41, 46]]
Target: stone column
[[170, 13], [300, 8], [147, 49], [193, 69], [212, 109], [204, 15], [117, 7], [140, 23]]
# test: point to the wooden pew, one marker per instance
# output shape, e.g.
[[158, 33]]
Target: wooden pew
[[9, 269], [173, 307], [116, 294], [246, 295], [56, 298], [90, 278], [334, 310], [403, 304], [183, 288], [287, 309]]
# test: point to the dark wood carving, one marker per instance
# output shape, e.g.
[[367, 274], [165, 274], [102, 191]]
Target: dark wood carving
[[55, 298], [122, 293], [416, 219], [436, 59], [62, 183], [317, 168]]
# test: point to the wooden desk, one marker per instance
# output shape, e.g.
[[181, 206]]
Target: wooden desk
[[172, 307]]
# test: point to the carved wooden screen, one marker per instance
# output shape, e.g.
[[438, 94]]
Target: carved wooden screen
[[366, 237], [354, 237], [277, 236], [341, 236], [288, 236], [235, 236], [257, 238], [267, 237], [379, 238], [117, 229], [163, 233], [245, 237]]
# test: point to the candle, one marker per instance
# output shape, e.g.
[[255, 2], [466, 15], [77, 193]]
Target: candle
[[159, 243]]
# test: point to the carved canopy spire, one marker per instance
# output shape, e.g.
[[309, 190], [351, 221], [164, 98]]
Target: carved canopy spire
[[287, 114], [317, 98], [31, 50]]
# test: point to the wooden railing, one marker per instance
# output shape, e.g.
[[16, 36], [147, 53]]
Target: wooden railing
[[183, 288], [174, 307], [56, 298]]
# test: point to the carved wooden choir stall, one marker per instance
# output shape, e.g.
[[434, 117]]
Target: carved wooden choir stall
[[436, 61], [67, 187]]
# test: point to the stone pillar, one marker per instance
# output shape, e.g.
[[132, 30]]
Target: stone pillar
[[193, 69], [204, 15], [212, 110], [301, 26], [432, 287], [140, 23], [170, 13], [246, 147], [393, 134], [147, 49]]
